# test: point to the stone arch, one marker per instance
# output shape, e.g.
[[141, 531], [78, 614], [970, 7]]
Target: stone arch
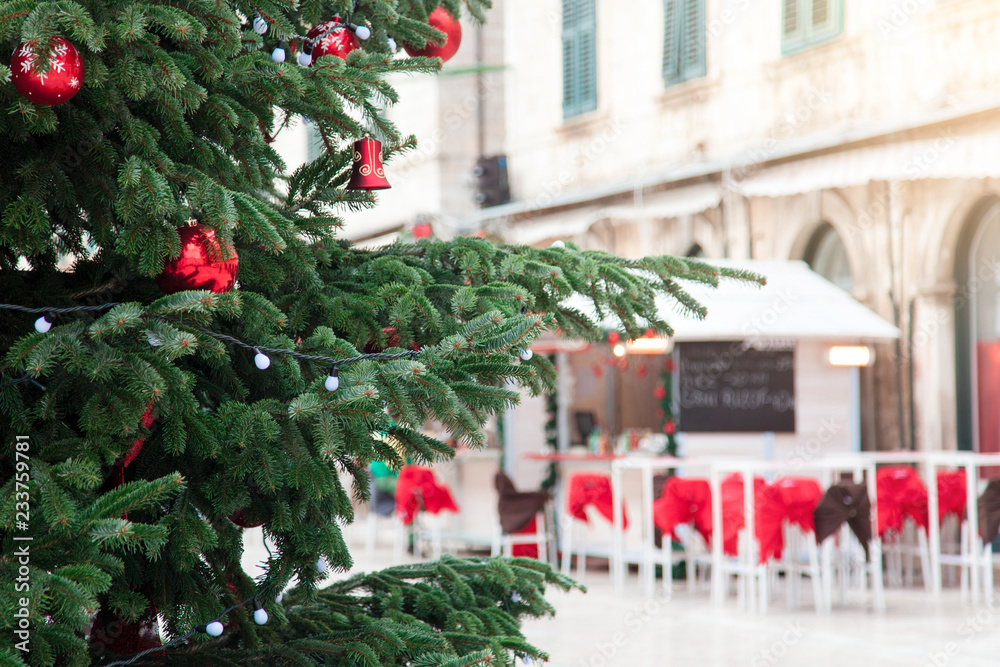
[[837, 214], [706, 234]]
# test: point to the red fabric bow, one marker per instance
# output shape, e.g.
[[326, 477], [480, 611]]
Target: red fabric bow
[[951, 493], [791, 498], [526, 550], [684, 501], [733, 517], [901, 494], [588, 488], [416, 489]]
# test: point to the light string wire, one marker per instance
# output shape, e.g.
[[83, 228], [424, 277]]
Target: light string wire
[[313, 41], [182, 638], [334, 363]]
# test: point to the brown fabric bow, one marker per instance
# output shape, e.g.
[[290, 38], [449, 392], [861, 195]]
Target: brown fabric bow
[[517, 508], [989, 511], [844, 501]]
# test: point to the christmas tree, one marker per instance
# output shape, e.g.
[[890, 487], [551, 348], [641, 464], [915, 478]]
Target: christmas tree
[[150, 406]]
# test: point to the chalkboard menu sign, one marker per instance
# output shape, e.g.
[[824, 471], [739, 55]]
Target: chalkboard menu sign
[[736, 387]]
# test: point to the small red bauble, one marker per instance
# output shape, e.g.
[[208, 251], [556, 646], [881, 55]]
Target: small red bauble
[[669, 427], [59, 84], [668, 365], [338, 43], [200, 265], [443, 21], [641, 370], [241, 519], [614, 337], [660, 393], [147, 421]]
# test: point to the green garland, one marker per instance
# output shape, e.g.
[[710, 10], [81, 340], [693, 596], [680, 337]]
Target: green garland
[[667, 423], [551, 428]]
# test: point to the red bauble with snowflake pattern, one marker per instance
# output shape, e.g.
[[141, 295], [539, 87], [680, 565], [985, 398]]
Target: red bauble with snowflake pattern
[[339, 42], [443, 21], [59, 83]]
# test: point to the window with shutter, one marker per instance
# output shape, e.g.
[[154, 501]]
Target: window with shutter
[[683, 40], [579, 53], [805, 23]]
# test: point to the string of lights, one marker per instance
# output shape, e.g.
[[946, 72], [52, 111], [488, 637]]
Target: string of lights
[[213, 628], [43, 324]]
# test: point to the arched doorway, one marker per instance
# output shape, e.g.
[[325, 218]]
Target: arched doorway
[[695, 252], [826, 255], [977, 330]]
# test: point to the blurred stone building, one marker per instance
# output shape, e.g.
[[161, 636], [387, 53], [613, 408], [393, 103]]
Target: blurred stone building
[[861, 136]]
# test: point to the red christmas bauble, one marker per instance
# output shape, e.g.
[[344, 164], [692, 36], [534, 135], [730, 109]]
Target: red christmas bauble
[[200, 265], [669, 427], [443, 21], [59, 84], [660, 393], [112, 633], [641, 370], [147, 421], [668, 364], [614, 337], [338, 43], [241, 519]]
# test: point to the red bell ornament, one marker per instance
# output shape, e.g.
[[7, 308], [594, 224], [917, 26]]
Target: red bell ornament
[[59, 83], [366, 171], [203, 264], [339, 40], [443, 21]]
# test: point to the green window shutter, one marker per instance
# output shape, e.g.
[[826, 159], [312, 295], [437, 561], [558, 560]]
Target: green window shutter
[[579, 53], [671, 41], [693, 56], [808, 22], [826, 20], [683, 40], [792, 31]]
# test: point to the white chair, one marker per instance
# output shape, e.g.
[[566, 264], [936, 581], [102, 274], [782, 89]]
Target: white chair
[[504, 543]]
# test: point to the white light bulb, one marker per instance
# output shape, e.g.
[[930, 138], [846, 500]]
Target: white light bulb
[[259, 25], [214, 628], [278, 55], [279, 597], [260, 617], [527, 354], [363, 32], [332, 383], [42, 324], [515, 596], [557, 244], [305, 59], [321, 566], [262, 360], [392, 44], [153, 339]]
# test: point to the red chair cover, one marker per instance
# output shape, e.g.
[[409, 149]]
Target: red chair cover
[[901, 494], [791, 498], [526, 550], [951, 493], [733, 518], [684, 501], [416, 489], [587, 488]]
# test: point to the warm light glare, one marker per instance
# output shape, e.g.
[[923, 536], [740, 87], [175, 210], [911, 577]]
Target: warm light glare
[[648, 345], [619, 350], [850, 355]]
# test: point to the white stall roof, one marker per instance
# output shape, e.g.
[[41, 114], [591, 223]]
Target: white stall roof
[[797, 303]]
